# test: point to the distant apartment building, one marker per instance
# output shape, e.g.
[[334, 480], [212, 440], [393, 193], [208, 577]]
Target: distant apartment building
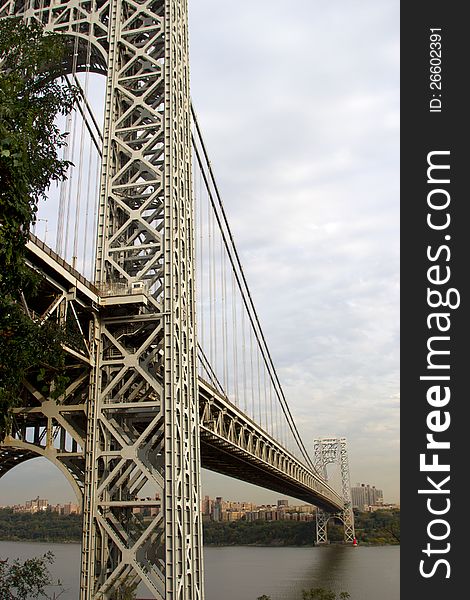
[[217, 509], [70, 509], [239, 506], [232, 515], [375, 507], [206, 506], [220, 510], [42, 505], [363, 495], [281, 513], [36, 505]]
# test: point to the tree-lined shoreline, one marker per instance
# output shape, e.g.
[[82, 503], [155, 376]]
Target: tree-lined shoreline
[[378, 528]]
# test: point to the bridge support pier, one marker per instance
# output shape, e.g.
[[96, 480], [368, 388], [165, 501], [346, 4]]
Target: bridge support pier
[[327, 451], [137, 438]]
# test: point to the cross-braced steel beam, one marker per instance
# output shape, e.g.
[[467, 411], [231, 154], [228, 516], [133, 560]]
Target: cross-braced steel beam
[[138, 439]]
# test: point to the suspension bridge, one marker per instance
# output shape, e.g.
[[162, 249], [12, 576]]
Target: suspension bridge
[[167, 365]]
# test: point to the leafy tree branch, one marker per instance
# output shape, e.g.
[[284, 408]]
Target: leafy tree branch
[[32, 94]]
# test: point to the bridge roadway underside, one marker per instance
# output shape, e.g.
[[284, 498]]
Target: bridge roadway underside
[[219, 456]]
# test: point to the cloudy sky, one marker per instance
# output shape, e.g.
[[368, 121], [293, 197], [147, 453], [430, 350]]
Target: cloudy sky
[[299, 109]]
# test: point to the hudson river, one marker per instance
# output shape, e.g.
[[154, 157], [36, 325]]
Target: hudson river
[[246, 572]]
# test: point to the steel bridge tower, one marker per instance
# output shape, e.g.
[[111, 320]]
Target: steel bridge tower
[[140, 422], [328, 451]]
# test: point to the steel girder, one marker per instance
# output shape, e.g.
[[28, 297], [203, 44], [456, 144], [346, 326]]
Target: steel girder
[[141, 437], [328, 451], [126, 433]]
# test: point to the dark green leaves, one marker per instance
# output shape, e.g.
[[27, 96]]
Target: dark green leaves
[[27, 580], [32, 94]]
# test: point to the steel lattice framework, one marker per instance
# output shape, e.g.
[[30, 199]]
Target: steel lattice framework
[[329, 451], [141, 431], [135, 424]]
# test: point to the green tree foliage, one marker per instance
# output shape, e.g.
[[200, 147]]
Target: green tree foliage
[[41, 526], [25, 580], [31, 96], [372, 528], [319, 593], [316, 594], [379, 527], [262, 533]]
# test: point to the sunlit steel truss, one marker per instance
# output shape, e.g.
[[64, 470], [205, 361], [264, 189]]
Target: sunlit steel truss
[[233, 444], [56, 427], [142, 431]]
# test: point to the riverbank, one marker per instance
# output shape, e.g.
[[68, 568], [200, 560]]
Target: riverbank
[[381, 528], [40, 527], [372, 529]]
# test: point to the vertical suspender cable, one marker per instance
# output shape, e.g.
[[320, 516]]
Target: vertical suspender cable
[[234, 340], [259, 387], [80, 161], [74, 133], [63, 189], [271, 411], [87, 208], [201, 204], [275, 411], [214, 295], [70, 188], [252, 376], [224, 314], [78, 197], [95, 212], [245, 405], [209, 275], [246, 296], [265, 399], [197, 210]]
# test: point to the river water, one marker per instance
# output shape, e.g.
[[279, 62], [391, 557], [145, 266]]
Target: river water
[[245, 572]]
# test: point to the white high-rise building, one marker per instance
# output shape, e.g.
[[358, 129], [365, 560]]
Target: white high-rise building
[[363, 496]]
